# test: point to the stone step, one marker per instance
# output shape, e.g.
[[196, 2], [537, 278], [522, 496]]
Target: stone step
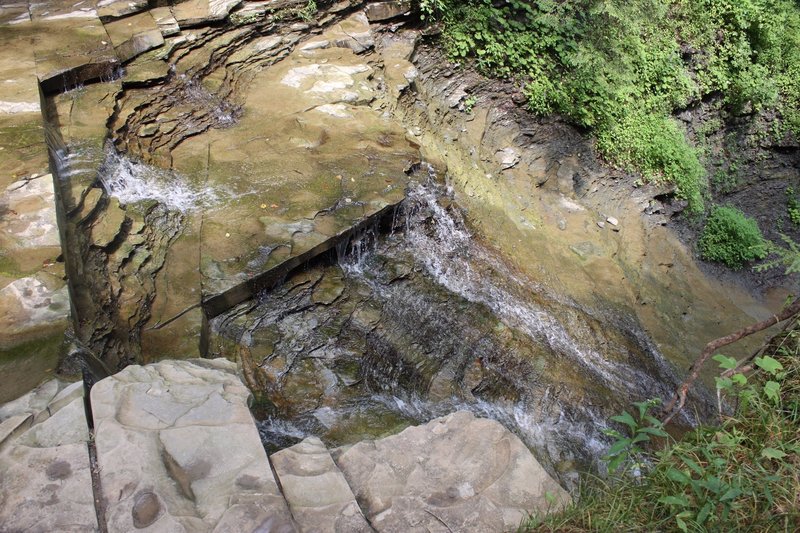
[[46, 484], [178, 450], [455, 473], [317, 492]]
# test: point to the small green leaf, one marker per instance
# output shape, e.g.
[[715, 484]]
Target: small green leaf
[[653, 421], [772, 453], [657, 432], [676, 475], [726, 363], [739, 379], [680, 501], [614, 463], [704, 512], [768, 364], [625, 418], [731, 494], [643, 407], [691, 464], [772, 390], [681, 524], [723, 383], [618, 446]]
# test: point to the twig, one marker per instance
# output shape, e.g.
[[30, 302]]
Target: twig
[[679, 399], [439, 519], [744, 366]]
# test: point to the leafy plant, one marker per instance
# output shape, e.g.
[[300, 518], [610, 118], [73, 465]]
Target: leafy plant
[[622, 68], [307, 12], [431, 9], [657, 147], [787, 257], [469, 103], [793, 206], [729, 237], [630, 449], [738, 476]]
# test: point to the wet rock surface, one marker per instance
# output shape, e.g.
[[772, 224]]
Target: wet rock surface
[[177, 450], [236, 209], [427, 320], [536, 210], [221, 172], [46, 483], [34, 306]]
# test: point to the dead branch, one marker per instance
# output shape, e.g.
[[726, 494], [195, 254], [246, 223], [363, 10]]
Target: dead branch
[[744, 366], [679, 399]]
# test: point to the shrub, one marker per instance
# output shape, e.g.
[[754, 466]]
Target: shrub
[[657, 147], [621, 67], [731, 238], [738, 476]]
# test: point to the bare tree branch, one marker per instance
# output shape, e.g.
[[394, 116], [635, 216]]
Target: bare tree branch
[[679, 399]]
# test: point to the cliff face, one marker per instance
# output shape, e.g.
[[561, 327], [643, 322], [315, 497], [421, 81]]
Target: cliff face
[[754, 168]]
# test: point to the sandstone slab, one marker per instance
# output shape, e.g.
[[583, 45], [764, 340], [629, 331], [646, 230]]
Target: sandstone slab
[[379, 11], [178, 451], [70, 45], [46, 483], [317, 492], [456, 473], [195, 12], [134, 35]]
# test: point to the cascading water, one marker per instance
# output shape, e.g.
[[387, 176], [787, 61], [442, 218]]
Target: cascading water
[[426, 320], [130, 182]]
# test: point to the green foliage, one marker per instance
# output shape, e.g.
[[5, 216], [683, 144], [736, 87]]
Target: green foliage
[[307, 12], [729, 237], [787, 257], [793, 206], [629, 450], [657, 147], [738, 476], [469, 103], [431, 9], [622, 67]]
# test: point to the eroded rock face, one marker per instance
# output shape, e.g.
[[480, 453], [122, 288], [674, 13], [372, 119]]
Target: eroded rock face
[[46, 483], [33, 300], [456, 473], [177, 450], [537, 190]]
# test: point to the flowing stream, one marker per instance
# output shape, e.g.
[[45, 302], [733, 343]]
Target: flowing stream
[[403, 327]]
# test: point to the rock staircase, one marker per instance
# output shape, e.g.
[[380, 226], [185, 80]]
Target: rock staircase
[[174, 448]]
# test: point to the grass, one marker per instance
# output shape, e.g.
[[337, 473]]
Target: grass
[[743, 475]]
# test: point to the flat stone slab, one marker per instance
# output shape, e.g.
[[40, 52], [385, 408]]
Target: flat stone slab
[[178, 450], [134, 35], [455, 473], [46, 482], [316, 490], [70, 45], [195, 12], [344, 161]]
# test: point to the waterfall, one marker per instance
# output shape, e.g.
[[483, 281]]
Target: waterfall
[[131, 181]]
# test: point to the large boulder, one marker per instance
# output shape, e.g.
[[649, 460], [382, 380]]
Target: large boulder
[[177, 450], [456, 473]]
